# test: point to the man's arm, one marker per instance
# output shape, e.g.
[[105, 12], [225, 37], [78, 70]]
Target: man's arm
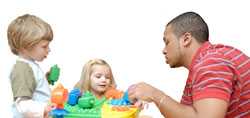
[[204, 108]]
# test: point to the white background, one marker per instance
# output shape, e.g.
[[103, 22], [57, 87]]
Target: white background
[[126, 33]]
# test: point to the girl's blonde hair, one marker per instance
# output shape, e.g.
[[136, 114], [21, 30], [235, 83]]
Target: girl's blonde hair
[[26, 31], [84, 83]]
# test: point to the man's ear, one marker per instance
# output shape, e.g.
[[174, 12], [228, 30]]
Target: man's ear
[[186, 39]]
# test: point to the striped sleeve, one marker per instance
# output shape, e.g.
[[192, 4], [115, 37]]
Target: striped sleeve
[[213, 78]]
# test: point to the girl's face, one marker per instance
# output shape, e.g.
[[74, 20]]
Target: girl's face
[[100, 79]]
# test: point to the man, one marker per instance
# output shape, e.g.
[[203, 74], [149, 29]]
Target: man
[[218, 84]]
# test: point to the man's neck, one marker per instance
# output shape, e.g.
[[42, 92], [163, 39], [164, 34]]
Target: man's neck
[[190, 54]]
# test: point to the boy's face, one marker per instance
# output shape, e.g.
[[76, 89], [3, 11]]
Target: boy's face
[[100, 79], [39, 52]]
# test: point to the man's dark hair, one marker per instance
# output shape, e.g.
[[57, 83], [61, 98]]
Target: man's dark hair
[[190, 22]]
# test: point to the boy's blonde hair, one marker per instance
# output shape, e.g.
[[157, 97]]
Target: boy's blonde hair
[[26, 31], [84, 83]]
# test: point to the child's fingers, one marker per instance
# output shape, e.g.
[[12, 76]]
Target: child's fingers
[[141, 104], [47, 74], [53, 106]]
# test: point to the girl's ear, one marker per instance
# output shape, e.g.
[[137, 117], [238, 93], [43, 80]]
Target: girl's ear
[[112, 86]]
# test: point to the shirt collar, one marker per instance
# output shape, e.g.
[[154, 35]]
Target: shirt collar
[[26, 60], [203, 47]]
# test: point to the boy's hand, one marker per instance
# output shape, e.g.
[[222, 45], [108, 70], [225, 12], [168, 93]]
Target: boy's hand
[[47, 109], [47, 75]]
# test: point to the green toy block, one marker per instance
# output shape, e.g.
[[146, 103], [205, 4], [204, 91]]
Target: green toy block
[[86, 108], [54, 74]]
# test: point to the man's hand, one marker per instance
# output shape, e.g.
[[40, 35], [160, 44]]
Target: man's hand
[[141, 91]]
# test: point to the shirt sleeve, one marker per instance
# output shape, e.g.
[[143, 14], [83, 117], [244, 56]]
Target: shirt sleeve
[[30, 108], [213, 78], [22, 80]]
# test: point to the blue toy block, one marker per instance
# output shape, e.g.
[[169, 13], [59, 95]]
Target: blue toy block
[[73, 96]]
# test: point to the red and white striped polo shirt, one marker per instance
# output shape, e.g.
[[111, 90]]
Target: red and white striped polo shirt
[[223, 72]]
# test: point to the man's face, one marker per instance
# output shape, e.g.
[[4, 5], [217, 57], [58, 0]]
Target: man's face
[[171, 50]]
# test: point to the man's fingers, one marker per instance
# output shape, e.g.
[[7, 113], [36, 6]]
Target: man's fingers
[[132, 87], [132, 96]]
